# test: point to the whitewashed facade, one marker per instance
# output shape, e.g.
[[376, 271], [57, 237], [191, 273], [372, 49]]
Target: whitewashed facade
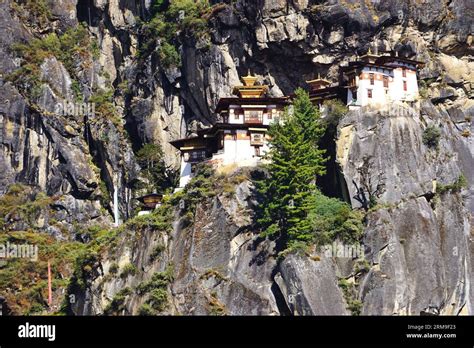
[[381, 80], [240, 137]]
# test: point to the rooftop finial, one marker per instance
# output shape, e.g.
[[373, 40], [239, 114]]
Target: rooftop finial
[[319, 76], [249, 80], [250, 89], [370, 51]]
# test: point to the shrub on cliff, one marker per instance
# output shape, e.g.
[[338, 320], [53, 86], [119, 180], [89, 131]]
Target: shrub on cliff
[[160, 176], [332, 219], [168, 21], [431, 136], [67, 48]]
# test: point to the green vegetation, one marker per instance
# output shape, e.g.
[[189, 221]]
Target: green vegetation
[[83, 268], [117, 304], [72, 263], [106, 239], [159, 280], [36, 12], [20, 203], [104, 106], [201, 187], [456, 186], [158, 220], [104, 193], [295, 161], [159, 176], [158, 299], [156, 288], [431, 136], [291, 208], [127, 270], [24, 281], [423, 91], [146, 310], [333, 219], [216, 308], [169, 56], [157, 251], [114, 268], [168, 21], [335, 111], [74, 43], [285, 194], [362, 265], [348, 289], [76, 90]]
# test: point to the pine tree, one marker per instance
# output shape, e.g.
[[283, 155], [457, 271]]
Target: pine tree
[[294, 162]]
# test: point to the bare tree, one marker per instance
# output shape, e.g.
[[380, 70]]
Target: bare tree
[[371, 185]]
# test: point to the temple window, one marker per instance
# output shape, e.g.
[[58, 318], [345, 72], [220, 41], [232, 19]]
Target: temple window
[[385, 81], [405, 86], [371, 76], [253, 116], [369, 93], [404, 72], [256, 138]]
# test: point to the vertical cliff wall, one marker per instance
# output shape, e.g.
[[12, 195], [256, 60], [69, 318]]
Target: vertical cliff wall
[[418, 240]]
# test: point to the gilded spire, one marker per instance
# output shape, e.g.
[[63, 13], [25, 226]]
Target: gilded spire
[[249, 80], [249, 89], [369, 56]]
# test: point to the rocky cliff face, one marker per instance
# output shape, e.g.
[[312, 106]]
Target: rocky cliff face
[[417, 242], [418, 239]]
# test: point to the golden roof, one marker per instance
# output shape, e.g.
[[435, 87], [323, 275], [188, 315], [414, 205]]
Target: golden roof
[[318, 83], [249, 89], [369, 56]]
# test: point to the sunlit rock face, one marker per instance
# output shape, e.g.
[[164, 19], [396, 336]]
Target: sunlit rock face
[[418, 244]]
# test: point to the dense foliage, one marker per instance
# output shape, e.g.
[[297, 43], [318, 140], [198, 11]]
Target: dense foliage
[[160, 177], [291, 208], [69, 48], [167, 22], [431, 136]]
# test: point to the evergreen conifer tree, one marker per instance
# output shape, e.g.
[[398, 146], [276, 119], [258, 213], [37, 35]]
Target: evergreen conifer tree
[[294, 162]]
